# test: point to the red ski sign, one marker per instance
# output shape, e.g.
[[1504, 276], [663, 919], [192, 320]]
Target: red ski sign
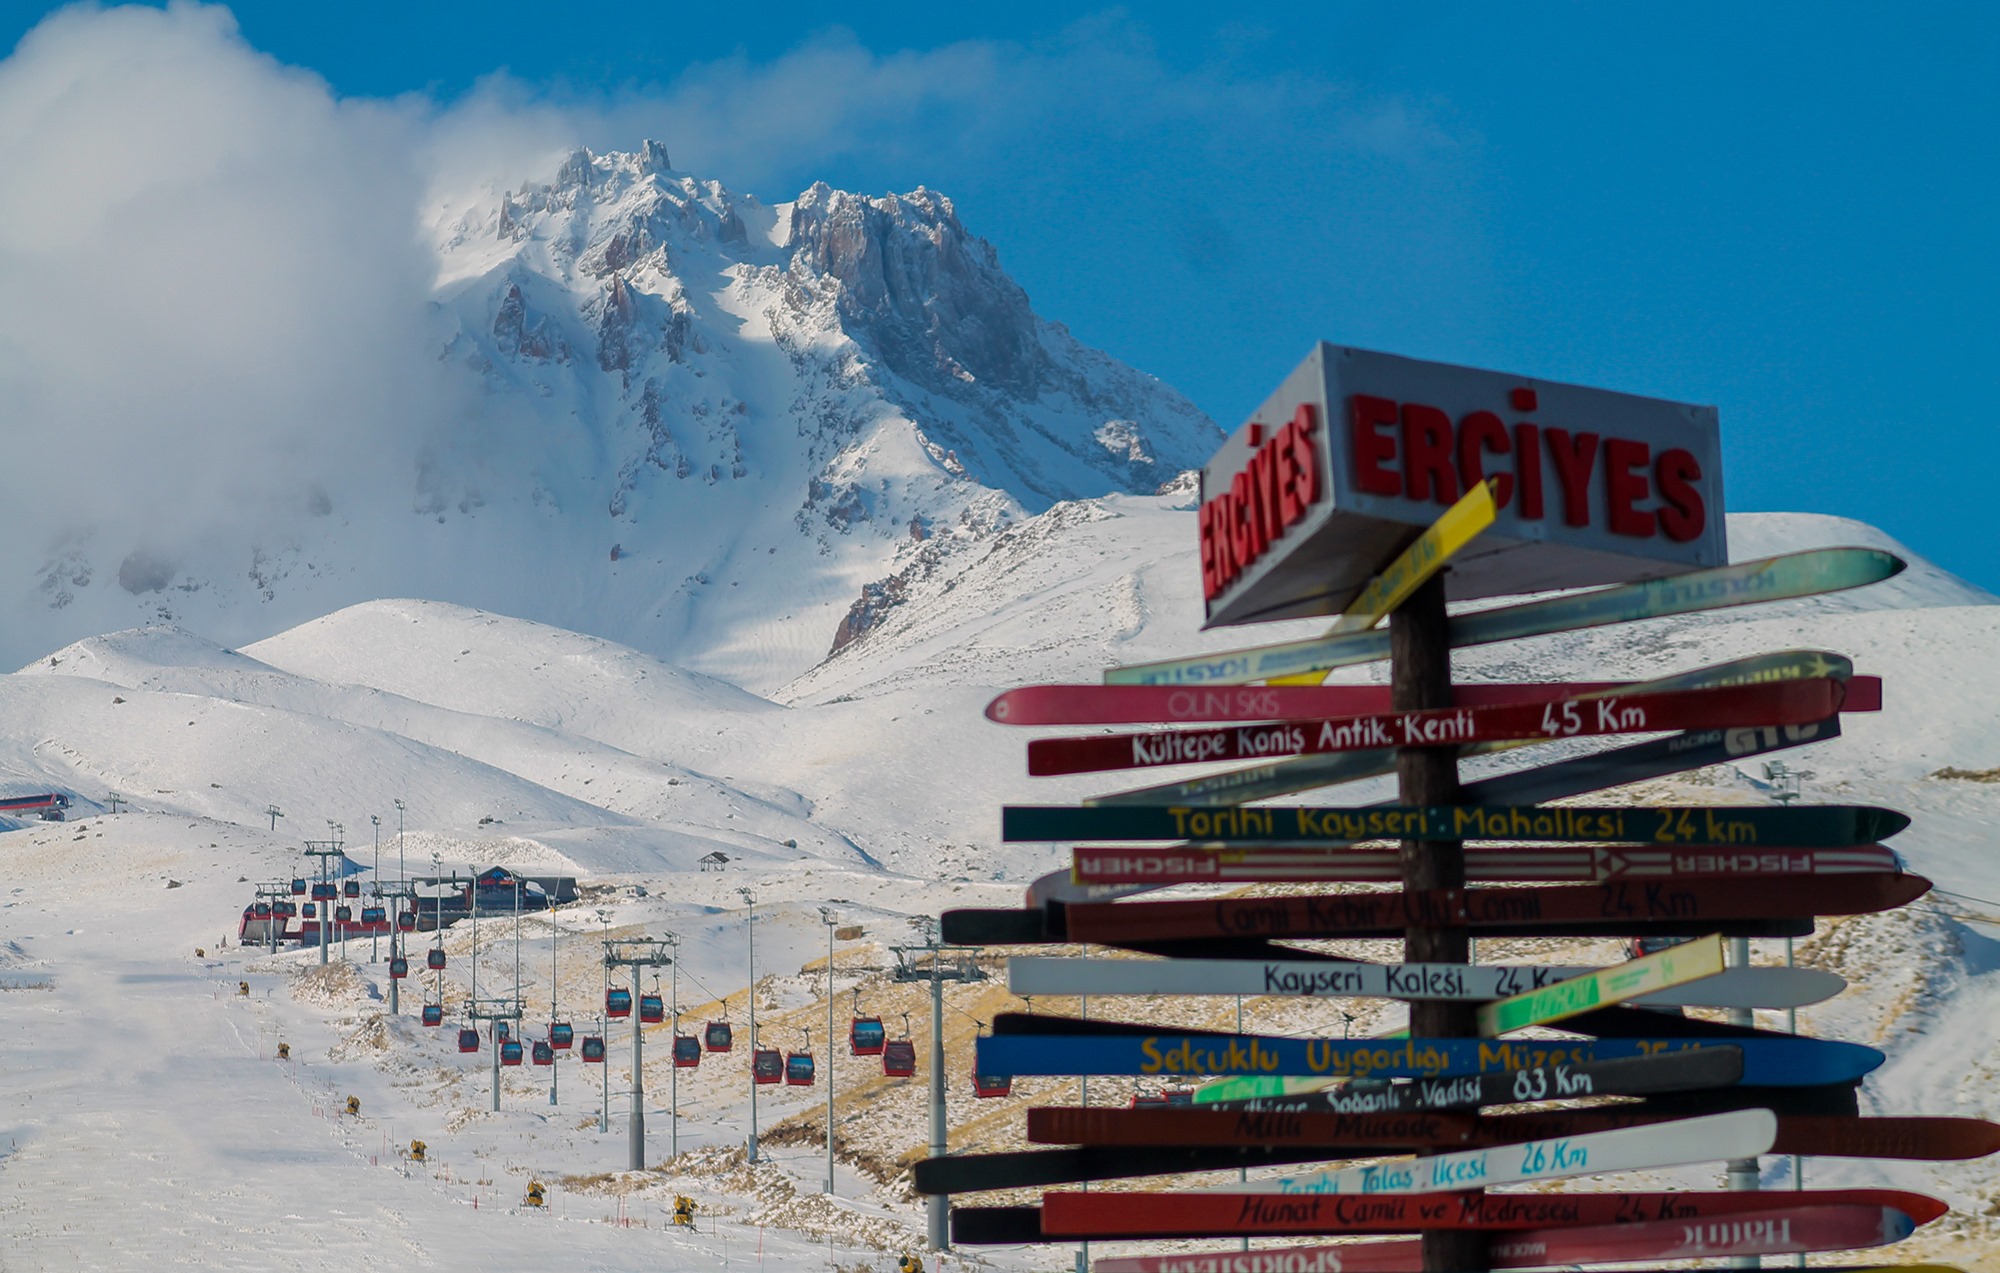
[[1736, 706]]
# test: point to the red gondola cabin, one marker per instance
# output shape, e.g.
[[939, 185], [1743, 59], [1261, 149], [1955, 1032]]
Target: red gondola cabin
[[866, 1036]]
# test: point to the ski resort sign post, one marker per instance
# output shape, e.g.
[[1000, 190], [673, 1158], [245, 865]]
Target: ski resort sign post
[[1353, 491], [1358, 452]]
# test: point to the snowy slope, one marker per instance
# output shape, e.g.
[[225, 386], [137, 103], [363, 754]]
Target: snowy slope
[[606, 762]]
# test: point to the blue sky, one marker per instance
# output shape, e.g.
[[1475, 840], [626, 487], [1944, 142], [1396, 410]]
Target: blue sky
[[1783, 209]]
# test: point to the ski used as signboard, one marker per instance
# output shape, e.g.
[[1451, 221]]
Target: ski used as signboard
[[1256, 1091], [1780, 1230], [1032, 1168], [1728, 707], [1050, 924], [1635, 762], [1557, 781], [1100, 1216], [1802, 574], [1744, 1133], [1091, 704], [1303, 773], [1103, 1125], [1563, 910], [1785, 826], [1705, 1069], [1675, 966], [1920, 1137], [1702, 1069], [1469, 515], [1087, 975], [1547, 864], [1338, 1134], [1768, 1060]]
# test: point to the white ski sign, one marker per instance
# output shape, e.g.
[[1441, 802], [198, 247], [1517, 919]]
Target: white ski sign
[[1059, 975], [1743, 1133]]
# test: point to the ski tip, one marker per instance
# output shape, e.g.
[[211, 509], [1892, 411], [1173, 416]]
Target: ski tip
[[982, 927], [1909, 889], [1880, 824], [1920, 1207], [991, 1226], [998, 710]]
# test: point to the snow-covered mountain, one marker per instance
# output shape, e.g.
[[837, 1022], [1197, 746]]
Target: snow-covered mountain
[[713, 430]]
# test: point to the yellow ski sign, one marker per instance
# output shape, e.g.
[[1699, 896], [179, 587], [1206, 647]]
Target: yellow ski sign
[[1429, 553]]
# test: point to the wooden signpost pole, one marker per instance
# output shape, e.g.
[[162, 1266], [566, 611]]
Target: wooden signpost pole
[[1420, 678]]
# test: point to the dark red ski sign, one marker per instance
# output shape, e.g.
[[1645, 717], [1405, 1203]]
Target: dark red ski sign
[[1072, 1215], [1776, 1231], [1842, 1136], [1194, 704], [1778, 703], [1585, 909], [1550, 864]]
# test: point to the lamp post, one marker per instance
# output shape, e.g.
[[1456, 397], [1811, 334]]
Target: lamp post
[[672, 942], [750, 922], [827, 917], [554, 1069], [604, 1118]]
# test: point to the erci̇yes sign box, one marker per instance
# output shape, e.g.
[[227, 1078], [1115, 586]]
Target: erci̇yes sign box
[[1357, 452]]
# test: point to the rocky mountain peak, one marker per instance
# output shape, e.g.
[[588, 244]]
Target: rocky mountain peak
[[754, 404]]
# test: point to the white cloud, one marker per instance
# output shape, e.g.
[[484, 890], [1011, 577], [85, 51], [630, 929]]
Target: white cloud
[[213, 285], [214, 279]]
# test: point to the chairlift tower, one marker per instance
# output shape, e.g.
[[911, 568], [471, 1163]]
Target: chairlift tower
[[496, 1010], [937, 964], [399, 896], [374, 951], [269, 894], [637, 953], [323, 849]]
